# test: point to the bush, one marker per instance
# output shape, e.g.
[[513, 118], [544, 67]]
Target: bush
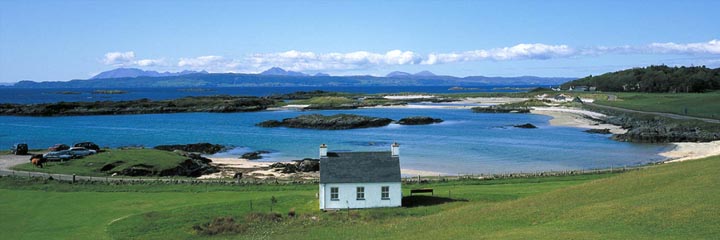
[[291, 213], [220, 225]]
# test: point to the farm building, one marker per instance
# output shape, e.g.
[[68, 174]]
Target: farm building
[[360, 179]]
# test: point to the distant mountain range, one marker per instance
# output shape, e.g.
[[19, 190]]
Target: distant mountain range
[[406, 74], [134, 72], [278, 77]]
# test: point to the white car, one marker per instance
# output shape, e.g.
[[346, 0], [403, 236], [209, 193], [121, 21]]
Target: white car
[[63, 155], [81, 151]]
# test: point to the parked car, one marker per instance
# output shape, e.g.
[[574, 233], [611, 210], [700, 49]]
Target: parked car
[[63, 155], [19, 149], [88, 145], [81, 151], [58, 147]]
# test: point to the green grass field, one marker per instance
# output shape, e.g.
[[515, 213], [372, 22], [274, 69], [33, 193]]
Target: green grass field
[[705, 105], [668, 201], [91, 165]]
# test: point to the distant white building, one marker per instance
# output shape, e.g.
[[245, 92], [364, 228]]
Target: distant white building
[[360, 179]]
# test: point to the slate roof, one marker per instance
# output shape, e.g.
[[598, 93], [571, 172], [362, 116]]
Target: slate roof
[[359, 167]]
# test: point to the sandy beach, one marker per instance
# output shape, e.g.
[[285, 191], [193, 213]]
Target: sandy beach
[[249, 168], [578, 118], [690, 151]]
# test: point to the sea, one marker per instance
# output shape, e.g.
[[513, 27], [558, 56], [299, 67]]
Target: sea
[[465, 143]]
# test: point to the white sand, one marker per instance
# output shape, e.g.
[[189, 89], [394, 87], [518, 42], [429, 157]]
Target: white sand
[[255, 169], [493, 100], [689, 151], [571, 117], [403, 97]]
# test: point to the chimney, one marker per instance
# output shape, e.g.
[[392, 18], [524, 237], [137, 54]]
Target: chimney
[[323, 151], [395, 149]]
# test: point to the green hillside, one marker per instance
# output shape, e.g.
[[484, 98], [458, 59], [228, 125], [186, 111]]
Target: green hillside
[[696, 104], [654, 79], [669, 201]]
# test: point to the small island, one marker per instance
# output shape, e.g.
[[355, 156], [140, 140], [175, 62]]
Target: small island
[[332, 122], [109, 92], [418, 120]]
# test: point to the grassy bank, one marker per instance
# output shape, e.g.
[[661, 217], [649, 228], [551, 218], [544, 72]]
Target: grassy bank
[[102, 211], [697, 104], [665, 201], [98, 164]]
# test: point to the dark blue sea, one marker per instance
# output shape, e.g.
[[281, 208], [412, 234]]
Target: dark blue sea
[[49, 95]]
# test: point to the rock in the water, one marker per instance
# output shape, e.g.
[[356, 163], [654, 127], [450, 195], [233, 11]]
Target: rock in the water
[[598, 131], [333, 122], [527, 125], [254, 155], [205, 148], [419, 120]]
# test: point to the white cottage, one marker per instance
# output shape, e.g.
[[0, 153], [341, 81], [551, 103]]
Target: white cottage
[[360, 179]]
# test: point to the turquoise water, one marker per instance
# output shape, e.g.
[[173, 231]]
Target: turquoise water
[[465, 143]]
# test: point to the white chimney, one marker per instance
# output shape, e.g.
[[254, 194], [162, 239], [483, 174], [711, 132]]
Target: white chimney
[[395, 149], [323, 151]]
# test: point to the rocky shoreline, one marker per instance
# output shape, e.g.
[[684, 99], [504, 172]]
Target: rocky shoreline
[[143, 106], [655, 129]]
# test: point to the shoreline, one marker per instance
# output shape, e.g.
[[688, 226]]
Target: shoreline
[[685, 151], [578, 118], [560, 116]]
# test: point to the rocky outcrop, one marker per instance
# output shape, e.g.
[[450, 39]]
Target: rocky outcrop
[[254, 155], [667, 133], [418, 120], [194, 166], [333, 122], [527, 125], [501, 109], [305, 165], [205, 148], [142, 106], [655, 129], [598, 131]]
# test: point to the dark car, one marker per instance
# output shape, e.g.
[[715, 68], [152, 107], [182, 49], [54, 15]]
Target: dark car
[[19, 149], [88, 145], [58, 147]]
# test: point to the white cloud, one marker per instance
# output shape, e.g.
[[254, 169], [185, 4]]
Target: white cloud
[[710, 47], [210, 63], [119, 58], [127, 59], [335, 61]]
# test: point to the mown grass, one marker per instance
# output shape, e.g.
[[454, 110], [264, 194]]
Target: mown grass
[[669, 201], [92, 165], [697, 104], [156, 210], [673, 201]]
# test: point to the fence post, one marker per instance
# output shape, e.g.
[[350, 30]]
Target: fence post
[[73, 181]]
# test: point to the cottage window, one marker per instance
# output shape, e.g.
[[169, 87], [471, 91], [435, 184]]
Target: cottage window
[[360, 193], [385, 192], [334, 194]]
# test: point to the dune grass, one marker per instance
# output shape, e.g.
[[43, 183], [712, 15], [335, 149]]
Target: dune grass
[[91, 165]]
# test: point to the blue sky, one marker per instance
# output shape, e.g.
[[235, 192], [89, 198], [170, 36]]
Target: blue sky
[[62, 40]]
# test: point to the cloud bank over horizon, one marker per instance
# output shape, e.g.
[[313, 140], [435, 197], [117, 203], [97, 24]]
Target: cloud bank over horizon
[[295, 60]]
